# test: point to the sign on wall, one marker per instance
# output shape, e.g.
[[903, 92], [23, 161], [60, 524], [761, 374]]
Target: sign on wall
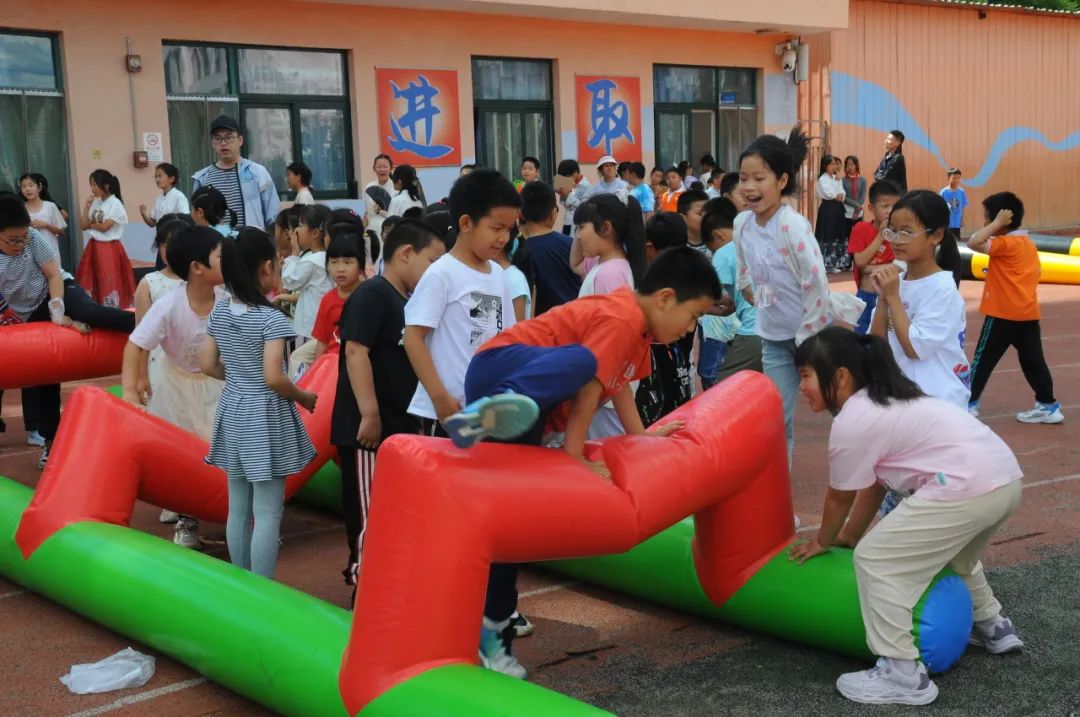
[[418, 116], [608, 117]]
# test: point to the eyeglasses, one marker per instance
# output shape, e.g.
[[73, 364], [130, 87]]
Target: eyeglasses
[[224, 138], [894, 237]]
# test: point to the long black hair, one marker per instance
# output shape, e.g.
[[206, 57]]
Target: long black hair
[[933, 213], [781, 157], [626, 221], [105, 179], [406, 174], [242, 259], [213, 205], [869, 359], [43, 185]]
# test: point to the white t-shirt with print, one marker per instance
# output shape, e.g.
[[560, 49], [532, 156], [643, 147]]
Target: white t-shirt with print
[[779, 300], [111, 209], [464, 308], [938, 323], [171, 202], [50, 214]]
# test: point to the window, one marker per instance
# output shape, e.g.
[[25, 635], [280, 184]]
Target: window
[[292, 104], [513, 114], [33, 138], [704, 110]]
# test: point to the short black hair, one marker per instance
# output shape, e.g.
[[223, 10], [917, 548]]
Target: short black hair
[[884, 188], [689, 197], [719, 213], [191, 244], [170, 171], [1005, 200], [168, 226], [531, 160], [637, 169], [478, 192], [954, 170], [301, 170], [684, 270], [412, 232], [346, 246], [665, 230], [729, 182], [568, 168], [671, 170], [623, 167], [13, 212], [707, 160], [537, 201]]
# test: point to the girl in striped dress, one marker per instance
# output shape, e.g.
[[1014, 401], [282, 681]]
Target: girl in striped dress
[[257, 438]]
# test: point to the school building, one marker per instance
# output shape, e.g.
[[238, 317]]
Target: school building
[[440, 83]]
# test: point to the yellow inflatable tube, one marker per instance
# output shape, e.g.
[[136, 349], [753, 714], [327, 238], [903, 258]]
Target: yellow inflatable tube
[[1056, 268]]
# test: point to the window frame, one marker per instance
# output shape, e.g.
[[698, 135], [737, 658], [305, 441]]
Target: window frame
[[294, 102], [520, 107], [58, 75]]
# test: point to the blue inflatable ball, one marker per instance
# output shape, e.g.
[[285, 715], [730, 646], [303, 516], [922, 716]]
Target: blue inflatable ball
[[942, 623]]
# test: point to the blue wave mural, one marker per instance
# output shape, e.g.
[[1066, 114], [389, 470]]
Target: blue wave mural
[[865, 104]]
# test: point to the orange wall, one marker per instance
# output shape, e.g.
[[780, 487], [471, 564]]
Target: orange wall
[[96, 82], [966, 81]]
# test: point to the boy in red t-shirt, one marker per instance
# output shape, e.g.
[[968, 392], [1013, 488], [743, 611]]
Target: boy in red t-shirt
[[1010, 303], [345, 267], [868, 247]]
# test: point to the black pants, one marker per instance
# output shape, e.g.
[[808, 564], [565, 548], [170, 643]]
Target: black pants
[[996, 337], [29, 411], [357, 470], [79, 306], [502, 595]]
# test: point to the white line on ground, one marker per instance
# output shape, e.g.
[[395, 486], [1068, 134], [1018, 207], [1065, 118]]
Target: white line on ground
[[22, 452], [548, 589], [13, 593], [141, 697]]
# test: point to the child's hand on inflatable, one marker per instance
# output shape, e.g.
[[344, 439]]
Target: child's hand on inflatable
[[802, 552], [667, 429], [597, 467], [307, 400]]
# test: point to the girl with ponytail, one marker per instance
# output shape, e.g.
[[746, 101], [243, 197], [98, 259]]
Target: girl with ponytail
[[257, 437], [209, 208], [779, 265], [409, 192], [104, 270], [962, 484]]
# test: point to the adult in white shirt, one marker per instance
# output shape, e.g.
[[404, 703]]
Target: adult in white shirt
[[171, 200], [45, 216], [373, 214], [409, 192]]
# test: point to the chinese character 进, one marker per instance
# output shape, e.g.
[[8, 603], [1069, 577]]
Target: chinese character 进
[[421, 110]]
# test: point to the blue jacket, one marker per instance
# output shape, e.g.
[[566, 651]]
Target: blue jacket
[[261, 204]]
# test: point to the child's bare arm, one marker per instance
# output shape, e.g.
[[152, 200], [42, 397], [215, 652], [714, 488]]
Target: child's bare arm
[[862, 258], [210, 360], [979, 240], [626, 410], [837, 506], [133, 373], [362, 382], [582, 409], [867, 503], [320, 349], [142, 300], [420, 357], [279, 383]]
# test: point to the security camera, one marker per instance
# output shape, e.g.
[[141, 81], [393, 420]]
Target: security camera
[[788, 60], [788, 53]]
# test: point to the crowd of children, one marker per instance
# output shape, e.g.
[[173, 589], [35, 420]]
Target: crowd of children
[[474, 319]]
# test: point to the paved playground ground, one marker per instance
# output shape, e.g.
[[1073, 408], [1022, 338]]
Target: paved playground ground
[[631, 657]]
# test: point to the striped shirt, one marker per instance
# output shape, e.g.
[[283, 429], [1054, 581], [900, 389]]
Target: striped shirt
[[22, 282], [227, 181]]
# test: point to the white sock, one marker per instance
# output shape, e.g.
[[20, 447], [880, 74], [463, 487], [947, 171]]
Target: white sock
[[496, 626], [906, 667]]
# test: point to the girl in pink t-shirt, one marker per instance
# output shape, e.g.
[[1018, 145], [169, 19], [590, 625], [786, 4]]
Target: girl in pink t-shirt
[[962, 483]]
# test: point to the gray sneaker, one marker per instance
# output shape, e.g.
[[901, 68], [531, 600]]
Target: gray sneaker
[[187, 534], [996, 636], [884, 684]]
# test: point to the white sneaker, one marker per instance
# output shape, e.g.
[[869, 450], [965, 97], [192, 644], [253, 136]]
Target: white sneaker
[[885, 684], [495, 649], [187, 534], [168, 516], [996, 636], [521, 624], [33, 438], [1042, 413], [798, 523]]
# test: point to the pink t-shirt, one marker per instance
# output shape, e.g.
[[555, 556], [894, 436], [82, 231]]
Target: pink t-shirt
[[606, 277], [171, 324], [925, 446]]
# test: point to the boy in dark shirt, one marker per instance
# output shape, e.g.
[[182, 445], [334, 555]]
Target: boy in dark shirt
[[375, 379], [549, 251]]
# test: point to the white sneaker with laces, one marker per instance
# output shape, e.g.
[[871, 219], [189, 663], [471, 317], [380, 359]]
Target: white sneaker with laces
[[187, 534], [888, 684], [494, 650], [996, 635], [33, 438], [1042, 413], [168, 516]]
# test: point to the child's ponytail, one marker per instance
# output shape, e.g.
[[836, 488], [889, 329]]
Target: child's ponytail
[[634, 240], [869, 359], [242, 260], [107, 181], [626, 222]]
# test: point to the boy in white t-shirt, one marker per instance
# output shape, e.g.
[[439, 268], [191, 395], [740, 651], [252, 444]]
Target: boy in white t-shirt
[[460, 303], [176, 322]]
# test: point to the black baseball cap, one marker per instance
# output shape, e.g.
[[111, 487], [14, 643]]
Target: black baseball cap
[[224, 122]]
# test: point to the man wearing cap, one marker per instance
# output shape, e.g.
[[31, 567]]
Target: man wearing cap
[[248, 188], [609, 177]]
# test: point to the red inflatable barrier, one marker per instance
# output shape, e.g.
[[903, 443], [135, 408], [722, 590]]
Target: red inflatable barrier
[[440, 516], [42, 353], [108, 453]]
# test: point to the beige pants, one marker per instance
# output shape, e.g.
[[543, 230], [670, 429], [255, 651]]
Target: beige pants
[[895, 562], [302, 357]]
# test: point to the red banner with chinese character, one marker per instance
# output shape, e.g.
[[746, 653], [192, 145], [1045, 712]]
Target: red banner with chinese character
[[418, 116], [608, 117]]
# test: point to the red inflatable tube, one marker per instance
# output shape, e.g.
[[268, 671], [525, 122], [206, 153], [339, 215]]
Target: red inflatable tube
[[440, 516], [108, 453], [43, 353]]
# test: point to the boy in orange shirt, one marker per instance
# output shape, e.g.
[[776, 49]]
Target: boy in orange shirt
[[1011, 306], [560, 367]]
